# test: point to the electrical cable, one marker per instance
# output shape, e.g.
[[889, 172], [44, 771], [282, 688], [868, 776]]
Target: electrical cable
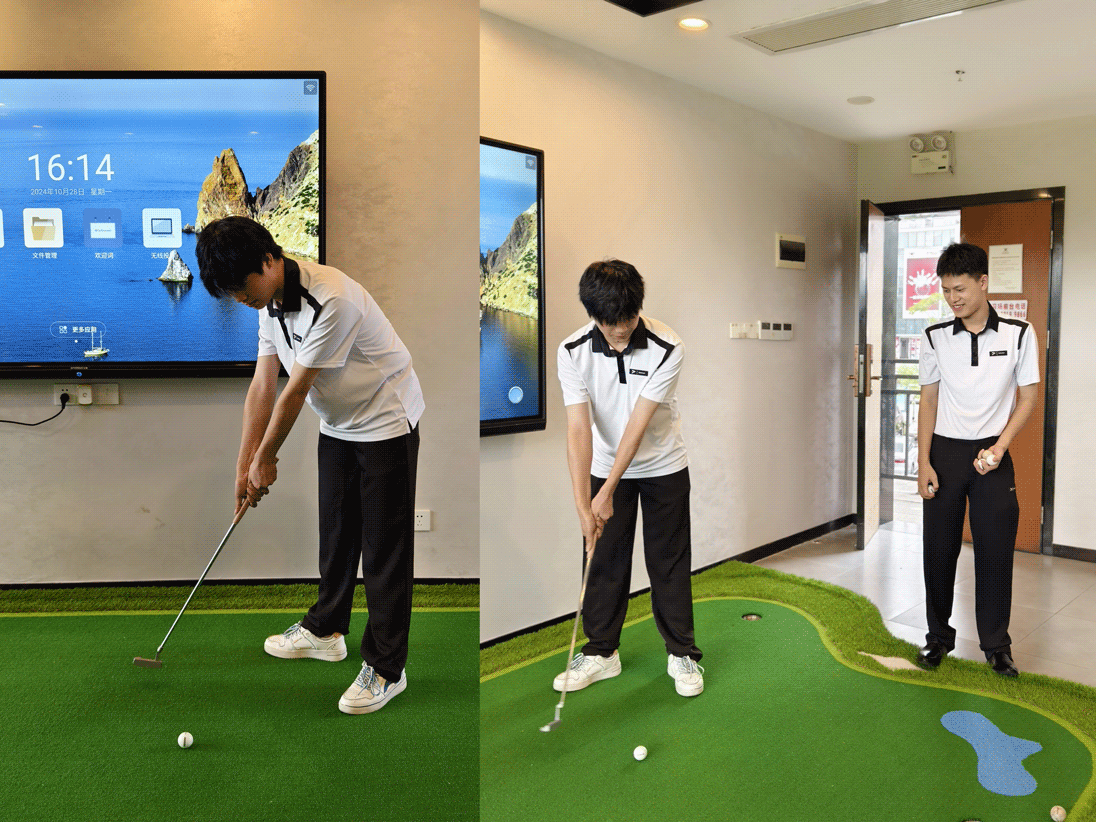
[[64, 401]]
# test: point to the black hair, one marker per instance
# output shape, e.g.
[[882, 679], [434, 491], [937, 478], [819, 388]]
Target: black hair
[[229, 250], [963, 258], [611, 291]]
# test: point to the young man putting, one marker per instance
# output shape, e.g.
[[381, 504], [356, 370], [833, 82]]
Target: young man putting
[[624, 448], [345, 360], [971, 370]]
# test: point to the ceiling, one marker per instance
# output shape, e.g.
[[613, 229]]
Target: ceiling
[[1024, 61]]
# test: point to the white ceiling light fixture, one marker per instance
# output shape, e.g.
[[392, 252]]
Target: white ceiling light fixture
[[692, 24], [852, 20]]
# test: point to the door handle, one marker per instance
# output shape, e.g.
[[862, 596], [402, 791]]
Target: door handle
[[863, 371]]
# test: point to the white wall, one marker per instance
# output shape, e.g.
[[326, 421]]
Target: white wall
[[690, 188], [143, 491], [1033, 156]]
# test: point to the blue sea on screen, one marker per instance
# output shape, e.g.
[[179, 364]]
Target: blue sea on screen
[[159, 160]]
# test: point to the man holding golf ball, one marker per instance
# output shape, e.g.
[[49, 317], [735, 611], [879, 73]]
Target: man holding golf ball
[[971, 371]]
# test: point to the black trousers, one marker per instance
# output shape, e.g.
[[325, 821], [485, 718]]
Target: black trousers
[[668, 552], [994, 517], [367, 516]]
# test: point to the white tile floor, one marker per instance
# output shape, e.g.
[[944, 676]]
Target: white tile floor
[[1053, 626]]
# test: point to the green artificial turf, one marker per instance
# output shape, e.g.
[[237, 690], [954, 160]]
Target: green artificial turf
[[210, 597], [89, 736], [849, 624]]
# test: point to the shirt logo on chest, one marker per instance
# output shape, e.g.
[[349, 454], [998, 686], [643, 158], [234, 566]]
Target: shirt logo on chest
[[998, 353], [299, 338], [638, 371]]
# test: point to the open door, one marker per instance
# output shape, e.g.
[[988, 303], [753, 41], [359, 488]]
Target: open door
[[1025, 226], [866, 360]]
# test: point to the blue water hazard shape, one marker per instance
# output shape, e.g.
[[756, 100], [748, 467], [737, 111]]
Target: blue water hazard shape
[[999, 755]]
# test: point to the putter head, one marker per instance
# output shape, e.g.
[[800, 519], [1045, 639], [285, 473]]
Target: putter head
[[550, 726], [147, 663]]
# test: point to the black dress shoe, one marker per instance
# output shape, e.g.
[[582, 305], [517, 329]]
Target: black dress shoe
[[929, 657], [1002, 664]]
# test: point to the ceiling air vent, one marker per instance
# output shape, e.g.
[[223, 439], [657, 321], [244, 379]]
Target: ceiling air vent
[[852, 20]]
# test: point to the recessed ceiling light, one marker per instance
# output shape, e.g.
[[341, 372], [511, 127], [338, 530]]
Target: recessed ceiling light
[[861, 101], [692, 24]]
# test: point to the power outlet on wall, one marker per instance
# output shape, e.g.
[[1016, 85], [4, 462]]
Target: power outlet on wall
[[64, 388], [423, 519]]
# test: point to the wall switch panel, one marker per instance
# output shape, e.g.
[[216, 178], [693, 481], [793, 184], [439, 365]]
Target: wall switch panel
[[105, 393]]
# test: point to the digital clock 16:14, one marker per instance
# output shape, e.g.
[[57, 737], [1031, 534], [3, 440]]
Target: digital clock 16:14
[[57, 170]]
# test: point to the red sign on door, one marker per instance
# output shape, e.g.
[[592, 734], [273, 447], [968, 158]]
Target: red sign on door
[[922, 289]]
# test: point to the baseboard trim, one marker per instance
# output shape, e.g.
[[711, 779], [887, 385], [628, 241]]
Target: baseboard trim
[[790, 542], [1068, 552]]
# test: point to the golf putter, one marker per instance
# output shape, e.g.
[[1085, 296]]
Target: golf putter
[[155, 661], [574, 635]]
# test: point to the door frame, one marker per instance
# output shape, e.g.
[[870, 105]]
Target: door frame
[[1057, 196]]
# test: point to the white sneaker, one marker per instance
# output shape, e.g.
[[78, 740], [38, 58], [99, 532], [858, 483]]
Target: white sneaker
[[298, 642], [370, 692], [586, 670], [688, 676]]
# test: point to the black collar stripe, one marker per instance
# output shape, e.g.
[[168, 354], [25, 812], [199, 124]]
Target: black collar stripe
[[580, 341], [1023, 326], [285, 331], [316, 307], [936, 327], [666, 345], [292, 293]]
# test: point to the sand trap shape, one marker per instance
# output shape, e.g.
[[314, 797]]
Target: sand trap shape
[[895, 663], [999, 755]]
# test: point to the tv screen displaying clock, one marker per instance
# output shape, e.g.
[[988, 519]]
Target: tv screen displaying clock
[[511, 288], [106, 179]]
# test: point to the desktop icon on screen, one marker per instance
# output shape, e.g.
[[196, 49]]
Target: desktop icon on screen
[[103, 227], [162, 227], [43, 228]]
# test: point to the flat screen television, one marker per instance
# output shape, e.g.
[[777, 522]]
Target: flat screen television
[[511, 288], [105, 181]]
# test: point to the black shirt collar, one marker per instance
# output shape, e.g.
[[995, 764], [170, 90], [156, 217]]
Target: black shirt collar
[[291, 290], [637, 340], [991, 323]]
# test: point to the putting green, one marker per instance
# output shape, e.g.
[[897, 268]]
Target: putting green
[[783, 730], [87, 735]]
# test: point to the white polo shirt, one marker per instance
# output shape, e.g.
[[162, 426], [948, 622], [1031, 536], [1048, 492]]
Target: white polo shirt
[[978, 373], [592, 371], [367, 390]]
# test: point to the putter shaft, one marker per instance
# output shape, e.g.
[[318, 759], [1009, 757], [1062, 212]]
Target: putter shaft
[[574, 635], [155, 662]]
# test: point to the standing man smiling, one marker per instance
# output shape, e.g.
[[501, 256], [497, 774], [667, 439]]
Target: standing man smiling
[[971, 370], [345, 360]]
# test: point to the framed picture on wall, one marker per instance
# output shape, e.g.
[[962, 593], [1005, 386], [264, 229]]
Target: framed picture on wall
[[511, 276]]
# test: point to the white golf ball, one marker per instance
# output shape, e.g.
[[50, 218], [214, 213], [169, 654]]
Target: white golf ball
[[990, 458], [640, 753], [1058, 813], [185, 740]]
